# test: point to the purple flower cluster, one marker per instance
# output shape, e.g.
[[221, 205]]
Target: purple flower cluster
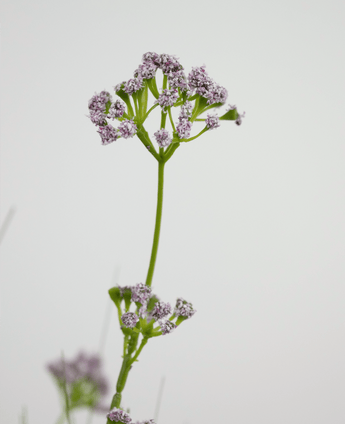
[[83, 367], [133, 85], [183, 308], [212, 122], [108, 134], [160, 310], [129, 319], [167, 98], [117, 414], [178, 80], [127, 128], [167, 327], [98, 101], [141, 293], [146, 70], [204, 86], [117, 109], [162, 137], [183, 128]]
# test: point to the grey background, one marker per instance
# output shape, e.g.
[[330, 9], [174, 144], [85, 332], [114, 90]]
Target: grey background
[[253, 228]]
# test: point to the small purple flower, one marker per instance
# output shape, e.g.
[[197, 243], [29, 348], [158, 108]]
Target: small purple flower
[[239, 118], [141, 293], [98, 101], [167, 98], [160, 310], [129, 319], [108, 134], [183, 128], [167, 327], [127, 128], [212, 122], [163, 138], [199, 80], [146, 70], [97, 117], [117, 414], [183, 308], [133, 85], [117, 109]]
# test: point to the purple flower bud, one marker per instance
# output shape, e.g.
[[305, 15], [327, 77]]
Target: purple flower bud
[[183, 128], [160, 310], [212, 122], [98, 101], [167, 327], [199, 80], [117, 414], [162, 137], [117, 109], [129, 319], [133, 85], [127, 128], [141, 293], [97, 117], [146, 70], [183, 308], [239, 118], [167, 98], [108, 134]]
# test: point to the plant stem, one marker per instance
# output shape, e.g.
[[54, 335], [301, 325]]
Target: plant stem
[[158, 223]]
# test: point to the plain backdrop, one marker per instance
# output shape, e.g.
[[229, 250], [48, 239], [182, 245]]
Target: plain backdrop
[[253, 218]]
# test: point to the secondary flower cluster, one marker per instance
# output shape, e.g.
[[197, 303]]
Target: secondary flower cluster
[[179, 89], [82, 377], [149, 310], [118, 415]]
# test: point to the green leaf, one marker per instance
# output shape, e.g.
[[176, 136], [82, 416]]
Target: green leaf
[[115, 295], [230, 115]]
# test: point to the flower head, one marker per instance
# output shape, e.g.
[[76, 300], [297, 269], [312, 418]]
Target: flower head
[[141, 293], [117, 414], [98, 101], [151, 57], [212, 122], [129, 319], [119, 86], [167, 98], [167, 327], [168, 63], [162, 137], [133, 85], [178, 80], [183, 128], [216, 94], [160, 310], [186, 110], [183, 308], [127, 128], [146, 70], [97, 117], [116, 109], [108, 134]]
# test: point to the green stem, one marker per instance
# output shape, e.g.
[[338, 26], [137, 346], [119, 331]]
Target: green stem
[[158, 223], [171, 120], [142, 344]]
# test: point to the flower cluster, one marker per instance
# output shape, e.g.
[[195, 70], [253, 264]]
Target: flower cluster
[[183, 308], [212, 122], [129, 319], [118, 415], [82, 377], [183, 127], [127, 128], [160, 310], [204, 86], [162, 137], [141, 293], [167, 98]]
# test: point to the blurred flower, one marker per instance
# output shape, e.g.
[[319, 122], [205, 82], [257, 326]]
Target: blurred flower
[[160, 310], [167, 327], [183, 308], [141, 293], [212, 122], [117, 414], [82, 378], [162, 137], [129, 319]]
